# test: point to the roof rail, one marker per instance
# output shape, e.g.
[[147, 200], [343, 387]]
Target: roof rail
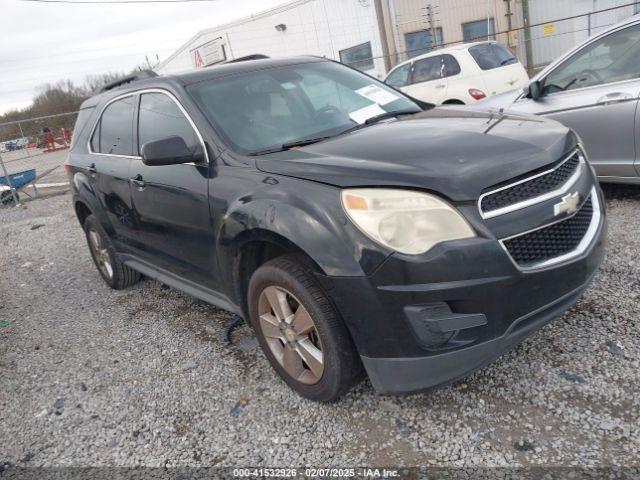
[[134, 77], [255, 56]]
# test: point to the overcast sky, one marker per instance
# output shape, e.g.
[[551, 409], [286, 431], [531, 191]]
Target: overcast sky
[[41, 43]]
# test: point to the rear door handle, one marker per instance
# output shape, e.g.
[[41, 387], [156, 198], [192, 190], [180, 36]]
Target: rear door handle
[[92, 168], [138, 181], [440, 86], [615, 97]]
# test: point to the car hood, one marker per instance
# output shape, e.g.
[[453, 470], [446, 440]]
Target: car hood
[[454, 152]]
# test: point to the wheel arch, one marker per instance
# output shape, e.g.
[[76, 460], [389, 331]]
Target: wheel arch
[[82, 210], [256, 247]]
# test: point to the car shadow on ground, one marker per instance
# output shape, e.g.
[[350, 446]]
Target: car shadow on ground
[[614, 191]]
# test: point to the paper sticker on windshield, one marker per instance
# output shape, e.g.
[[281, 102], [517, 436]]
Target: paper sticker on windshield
[[364, 114], [377, 94]]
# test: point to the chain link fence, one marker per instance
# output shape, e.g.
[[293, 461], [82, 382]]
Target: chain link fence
[[537, 31], [34, 150]]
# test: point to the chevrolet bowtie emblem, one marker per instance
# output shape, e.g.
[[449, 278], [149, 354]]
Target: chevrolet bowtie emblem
[[568, 205]]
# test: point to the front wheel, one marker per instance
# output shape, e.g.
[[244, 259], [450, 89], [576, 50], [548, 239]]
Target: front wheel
[[300, 331]]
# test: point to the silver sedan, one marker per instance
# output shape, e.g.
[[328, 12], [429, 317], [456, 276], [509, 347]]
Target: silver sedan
[[593, 89]]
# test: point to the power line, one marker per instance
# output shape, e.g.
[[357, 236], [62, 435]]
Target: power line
[[98, 2]]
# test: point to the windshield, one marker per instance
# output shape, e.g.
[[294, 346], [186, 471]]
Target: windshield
[[268, 109]]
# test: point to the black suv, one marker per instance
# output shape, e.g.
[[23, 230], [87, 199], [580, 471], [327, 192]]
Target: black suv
[[353, 226]]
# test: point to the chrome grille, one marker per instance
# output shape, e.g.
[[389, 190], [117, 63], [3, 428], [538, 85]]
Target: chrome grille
[[537, 186], [558, 241]]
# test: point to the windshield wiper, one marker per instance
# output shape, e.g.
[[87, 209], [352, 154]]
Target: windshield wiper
[[378, 118], [308, 141], [303, 142], [289, 145], [385, 115]]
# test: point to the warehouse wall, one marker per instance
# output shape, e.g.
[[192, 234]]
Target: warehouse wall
[[449, 15], [553, 39], [313, 27]]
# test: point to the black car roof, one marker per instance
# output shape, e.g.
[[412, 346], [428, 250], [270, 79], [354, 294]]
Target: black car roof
[[200, 75]]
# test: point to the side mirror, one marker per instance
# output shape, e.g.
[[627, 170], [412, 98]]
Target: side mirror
[[170, 151], [535, 90]]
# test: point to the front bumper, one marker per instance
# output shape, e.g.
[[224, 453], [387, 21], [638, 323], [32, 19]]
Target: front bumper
[[480, 302]]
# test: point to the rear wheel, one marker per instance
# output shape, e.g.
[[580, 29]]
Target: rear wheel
[[115, 273], [300, 331]]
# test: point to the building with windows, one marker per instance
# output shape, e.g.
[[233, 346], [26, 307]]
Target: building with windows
[[375, 35], [415, 27], [344, 30]]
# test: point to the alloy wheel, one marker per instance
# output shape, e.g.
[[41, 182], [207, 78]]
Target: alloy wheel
[[100, 253], [291, 334]]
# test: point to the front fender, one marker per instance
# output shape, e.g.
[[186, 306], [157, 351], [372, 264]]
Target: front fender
[[308, 215]]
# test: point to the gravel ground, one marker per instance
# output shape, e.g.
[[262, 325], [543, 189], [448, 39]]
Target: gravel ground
[[18, 161], [91, 376]]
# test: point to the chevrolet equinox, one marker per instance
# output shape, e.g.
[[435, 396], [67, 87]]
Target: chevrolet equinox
[[357, 229]]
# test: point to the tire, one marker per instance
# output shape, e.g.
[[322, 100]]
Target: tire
[[287, 343], [7, 199], [115, 273]]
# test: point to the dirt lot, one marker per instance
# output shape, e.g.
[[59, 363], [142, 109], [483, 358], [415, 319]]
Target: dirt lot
[[91, 376], [18, 161]]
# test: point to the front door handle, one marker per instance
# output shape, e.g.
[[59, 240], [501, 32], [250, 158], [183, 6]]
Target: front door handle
[[440, 86], [92, 168], [138, 181], [615, 97]]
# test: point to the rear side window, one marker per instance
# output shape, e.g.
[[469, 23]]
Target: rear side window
[[81, 123], [114, 133], [160, 118], [428, 69], [399, 77], [491, 55], [451, 65]]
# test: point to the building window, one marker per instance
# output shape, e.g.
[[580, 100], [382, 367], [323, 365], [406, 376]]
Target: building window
[[360, 56], [421, 42], [478, 30]]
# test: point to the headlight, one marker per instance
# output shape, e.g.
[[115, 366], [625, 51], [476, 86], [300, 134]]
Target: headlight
[[405, 221]]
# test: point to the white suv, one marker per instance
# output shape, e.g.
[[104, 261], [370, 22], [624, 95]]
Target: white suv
[[461, 74]]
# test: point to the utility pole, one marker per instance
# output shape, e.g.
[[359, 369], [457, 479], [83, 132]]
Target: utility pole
[[488, 19], [384, 38], [528, 48], [432, 26]]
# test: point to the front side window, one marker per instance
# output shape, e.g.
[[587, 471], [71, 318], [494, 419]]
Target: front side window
[[114, 133], [160, 118], [266, 109], [613, 58], [399, 77], [360, 57], [478, 30], [428, 69], [422, 41], [492, 55]]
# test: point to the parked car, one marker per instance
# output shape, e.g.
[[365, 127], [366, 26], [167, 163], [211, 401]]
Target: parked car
[[348, 225], [594, 90], [461, 74]]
